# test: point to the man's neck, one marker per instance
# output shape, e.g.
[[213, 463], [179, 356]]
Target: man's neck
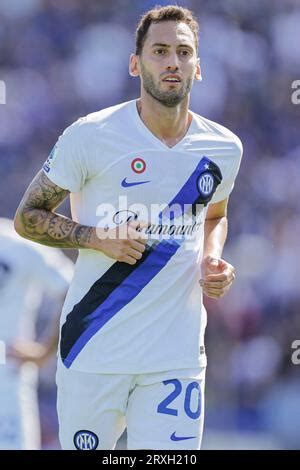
[[168, 124]]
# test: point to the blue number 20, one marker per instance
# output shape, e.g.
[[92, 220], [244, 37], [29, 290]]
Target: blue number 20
[[163, 406]]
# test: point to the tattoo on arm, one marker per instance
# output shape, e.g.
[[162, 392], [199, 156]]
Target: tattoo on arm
[[38, 221]]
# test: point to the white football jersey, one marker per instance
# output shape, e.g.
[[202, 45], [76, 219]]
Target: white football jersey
[[147, 317], [27, 271]]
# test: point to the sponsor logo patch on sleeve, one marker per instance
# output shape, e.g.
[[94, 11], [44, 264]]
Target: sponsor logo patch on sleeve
[[49, 162]]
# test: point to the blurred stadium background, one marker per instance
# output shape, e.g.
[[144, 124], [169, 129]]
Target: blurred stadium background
[[63, 59]]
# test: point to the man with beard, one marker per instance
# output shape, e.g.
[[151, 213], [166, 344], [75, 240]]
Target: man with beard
[[132, 327]]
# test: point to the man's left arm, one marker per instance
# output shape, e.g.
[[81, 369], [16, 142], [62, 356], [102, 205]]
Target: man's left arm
[[217, 274], [39, 352]]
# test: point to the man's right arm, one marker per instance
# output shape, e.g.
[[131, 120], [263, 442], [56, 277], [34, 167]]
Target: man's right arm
[[36, 220]]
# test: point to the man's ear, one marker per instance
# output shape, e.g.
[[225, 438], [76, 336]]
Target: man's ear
[[134, 66], [198, 75]]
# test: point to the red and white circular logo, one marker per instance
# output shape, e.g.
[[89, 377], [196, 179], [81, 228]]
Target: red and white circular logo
[[138, 165]]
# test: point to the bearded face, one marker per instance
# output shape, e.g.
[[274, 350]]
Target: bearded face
[[167, 93]]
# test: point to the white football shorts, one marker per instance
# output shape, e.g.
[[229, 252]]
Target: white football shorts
[[160, 410], [19, 413]]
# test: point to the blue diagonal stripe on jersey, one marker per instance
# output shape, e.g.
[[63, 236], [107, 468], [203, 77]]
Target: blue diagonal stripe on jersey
[[123, 282], [189, 195], [124, 293]]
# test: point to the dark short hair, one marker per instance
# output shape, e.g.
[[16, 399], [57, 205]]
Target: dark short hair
[[160, 14]]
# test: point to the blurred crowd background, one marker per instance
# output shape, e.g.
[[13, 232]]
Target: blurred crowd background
[[63, 59]]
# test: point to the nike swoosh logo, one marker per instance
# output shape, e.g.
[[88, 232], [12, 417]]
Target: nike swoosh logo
[[127, 185], [177, 438]]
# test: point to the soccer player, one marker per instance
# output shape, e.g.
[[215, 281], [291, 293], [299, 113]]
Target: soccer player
[[132, 327], [26, 276]]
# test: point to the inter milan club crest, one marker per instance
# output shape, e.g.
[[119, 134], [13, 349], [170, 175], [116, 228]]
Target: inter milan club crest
[[207, 180], [206, 184], [85, 440], [138, 165]]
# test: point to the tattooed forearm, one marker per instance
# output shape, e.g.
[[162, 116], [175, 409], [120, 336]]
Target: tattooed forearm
[[36, 220], [52, 229], [82, 235], [59, 228]]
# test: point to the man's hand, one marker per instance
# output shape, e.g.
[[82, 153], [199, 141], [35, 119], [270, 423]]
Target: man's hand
[[217, 277], [24, 351], [124, 243]]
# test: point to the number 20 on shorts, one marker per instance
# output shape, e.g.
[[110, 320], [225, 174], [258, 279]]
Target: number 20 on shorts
[[163, 406]]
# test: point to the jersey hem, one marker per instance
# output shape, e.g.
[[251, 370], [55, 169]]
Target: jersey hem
[[134, 369]]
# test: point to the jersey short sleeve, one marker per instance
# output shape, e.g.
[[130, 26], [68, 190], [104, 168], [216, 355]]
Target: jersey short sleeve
[[66, 164], [227, 184]]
